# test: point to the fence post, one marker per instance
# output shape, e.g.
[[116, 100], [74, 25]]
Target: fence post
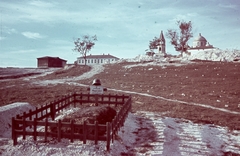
[[81, 98], [24, 126], [84, 132], [46, 129], [59, 130], [53, 111], [14, 135], [123, 99], [72, 130], [96, 133], [35, 129], [108, 136], [30, 117]]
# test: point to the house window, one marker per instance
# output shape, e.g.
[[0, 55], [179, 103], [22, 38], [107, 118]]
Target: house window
[[88, 61], [92, 61], [82, 61], [101, 60]]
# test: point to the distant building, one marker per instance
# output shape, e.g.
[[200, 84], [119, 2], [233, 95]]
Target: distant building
[[47, 61], [200, 42], [161, 47], [97, 59], [162, 44]]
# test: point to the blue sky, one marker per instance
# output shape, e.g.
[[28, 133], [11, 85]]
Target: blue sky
[[32, 29]]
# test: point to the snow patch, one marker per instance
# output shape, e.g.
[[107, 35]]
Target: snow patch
[[9, 111], [212, 55], [174, 137]]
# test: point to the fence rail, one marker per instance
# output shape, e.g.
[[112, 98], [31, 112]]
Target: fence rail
[[28, 123]]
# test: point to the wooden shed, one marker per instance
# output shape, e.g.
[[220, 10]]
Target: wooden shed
[[47, 61]]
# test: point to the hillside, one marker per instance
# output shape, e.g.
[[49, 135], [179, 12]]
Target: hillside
[[172, 94], [183, 90]]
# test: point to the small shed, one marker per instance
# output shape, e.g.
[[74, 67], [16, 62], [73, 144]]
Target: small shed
[[47, 61]]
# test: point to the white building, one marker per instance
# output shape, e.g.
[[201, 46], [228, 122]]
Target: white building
[[162, 45], [200, 46], [200, 42], [96, 59]]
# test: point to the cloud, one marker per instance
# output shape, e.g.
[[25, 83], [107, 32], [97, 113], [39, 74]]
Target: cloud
[[56, 12], [2, 38], [23, 51], [228, 6], [42, 4], [32, 35], [9, 30]]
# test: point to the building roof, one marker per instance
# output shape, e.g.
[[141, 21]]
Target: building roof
[[200, 38], [108, 56], [51, 57], [161, 38]]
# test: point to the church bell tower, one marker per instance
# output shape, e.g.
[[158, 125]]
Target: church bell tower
[[162, 47]]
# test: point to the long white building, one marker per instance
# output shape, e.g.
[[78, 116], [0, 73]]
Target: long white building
[[97, 59]]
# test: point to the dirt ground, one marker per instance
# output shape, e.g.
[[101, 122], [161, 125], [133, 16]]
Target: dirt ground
[[208, 83]]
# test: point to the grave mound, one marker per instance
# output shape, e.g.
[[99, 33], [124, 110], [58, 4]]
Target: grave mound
[[90, 114]]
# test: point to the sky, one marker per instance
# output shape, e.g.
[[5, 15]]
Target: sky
[[36, 28]]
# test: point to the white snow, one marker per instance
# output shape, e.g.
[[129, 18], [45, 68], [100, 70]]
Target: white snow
[[9, 111], [173, 136], [95, 70], [43, 71], [213, 55]]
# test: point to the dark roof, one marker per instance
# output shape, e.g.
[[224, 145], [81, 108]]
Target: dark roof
[[51, 57], [100, 56], [161, 38]]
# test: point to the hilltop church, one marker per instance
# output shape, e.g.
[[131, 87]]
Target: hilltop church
[[199, 43], [162, 45]]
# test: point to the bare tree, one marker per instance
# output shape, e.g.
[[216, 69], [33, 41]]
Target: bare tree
[[153, 44], [179, 40], [84, 45]]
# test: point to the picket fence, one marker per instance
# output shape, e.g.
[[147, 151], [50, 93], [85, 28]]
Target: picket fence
[[27, 124]]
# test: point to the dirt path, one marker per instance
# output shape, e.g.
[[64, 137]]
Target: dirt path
[[178, 101]]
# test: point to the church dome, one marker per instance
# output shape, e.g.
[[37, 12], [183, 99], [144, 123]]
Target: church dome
[[200, 38], [200, 42]]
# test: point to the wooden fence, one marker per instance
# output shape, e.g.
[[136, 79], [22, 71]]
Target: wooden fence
[[28, 123]]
